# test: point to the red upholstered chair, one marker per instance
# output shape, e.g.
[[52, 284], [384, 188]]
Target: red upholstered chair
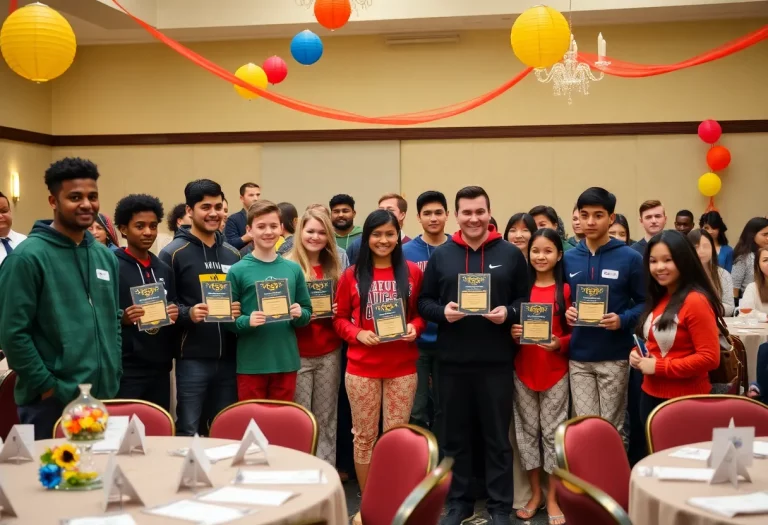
[[284, 423], [8, 414], [584, 504], [402, 457], [690, 419], [591, 448], [157, 421], [424, 504]]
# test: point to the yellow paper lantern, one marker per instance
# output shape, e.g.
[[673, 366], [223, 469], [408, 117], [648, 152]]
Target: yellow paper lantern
[[255, 76], [709, 184], [540, 36], [37, 43]]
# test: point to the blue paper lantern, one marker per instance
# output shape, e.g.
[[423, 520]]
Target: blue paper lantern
[[306, 48]]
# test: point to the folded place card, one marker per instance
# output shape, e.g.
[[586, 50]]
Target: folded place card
[[117, 487], [19, 445], [282, 477], [701, 454], [730, 506], [195, 469], [731, 467], [107, 519], [199, 512], [6, 509], [732, 453], [216, 454], [237, 495], [252, 436], [134, 437], [116, 427]]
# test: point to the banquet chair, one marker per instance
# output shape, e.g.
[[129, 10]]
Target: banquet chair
[[157, 421], [584, 504], [691, 419], [284, 423], [9, 416], [402, 457], [424, 504], [592, 449]]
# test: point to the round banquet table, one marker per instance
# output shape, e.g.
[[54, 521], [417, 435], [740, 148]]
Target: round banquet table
[[752, 336], [155, 477], [656, 502]]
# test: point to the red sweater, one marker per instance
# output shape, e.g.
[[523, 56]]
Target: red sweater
[[318, 337], [686, 352], [385, 360], [537, 368]]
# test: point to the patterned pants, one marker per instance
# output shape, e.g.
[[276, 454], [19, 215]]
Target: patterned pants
[[317, 389], [366, 397], [600, 389], [537, 416]]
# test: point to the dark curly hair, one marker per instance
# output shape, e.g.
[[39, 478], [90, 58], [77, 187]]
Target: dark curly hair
[[135, 203], [178, 211], [69, 168]]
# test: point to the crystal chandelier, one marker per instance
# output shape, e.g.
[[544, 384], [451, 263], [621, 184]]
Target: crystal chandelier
[[570, 74], [355, 3]]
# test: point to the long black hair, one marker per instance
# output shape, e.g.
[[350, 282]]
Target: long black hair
[[622, 221], [692, 278], [557, 272], [714, 220], [364, 267], [526, 219], [747, 244]]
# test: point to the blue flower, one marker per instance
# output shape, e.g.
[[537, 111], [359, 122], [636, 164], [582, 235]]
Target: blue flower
[[50, 476]]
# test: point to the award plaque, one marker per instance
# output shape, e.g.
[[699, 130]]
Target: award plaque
[[274, 299], [218, 296], [475, 293], [591, 303], [151, 297], [321, 296], [389, 320], [536, 319]]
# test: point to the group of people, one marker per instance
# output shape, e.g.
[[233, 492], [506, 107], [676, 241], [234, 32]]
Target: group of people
[[68, 317]]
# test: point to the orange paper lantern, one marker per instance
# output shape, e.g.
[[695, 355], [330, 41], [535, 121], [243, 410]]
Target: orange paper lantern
[[333, 14], [718, 158]]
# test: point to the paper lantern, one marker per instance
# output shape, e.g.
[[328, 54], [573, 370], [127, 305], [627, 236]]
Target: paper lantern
[[540, 36], [276, 69], [332, 14], [306, 48], [710, 131], [255, 76], [718, 158], [709, 184], [37, 43]]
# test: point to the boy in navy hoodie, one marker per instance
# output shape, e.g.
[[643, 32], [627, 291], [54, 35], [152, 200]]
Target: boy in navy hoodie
[[599, 366], [432, 212]]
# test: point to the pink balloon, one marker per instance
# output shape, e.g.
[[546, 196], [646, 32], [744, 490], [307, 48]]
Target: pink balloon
[[276, 69], [710, 131]]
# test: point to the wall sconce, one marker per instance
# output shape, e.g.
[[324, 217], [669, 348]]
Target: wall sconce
[[15, 188]]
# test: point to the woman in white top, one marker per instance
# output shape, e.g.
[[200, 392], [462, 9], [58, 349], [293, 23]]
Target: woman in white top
[[721, 279], [754, 236], [756, 294]]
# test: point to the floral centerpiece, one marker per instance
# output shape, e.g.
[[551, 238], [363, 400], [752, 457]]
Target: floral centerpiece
[[85, 418], [60, 469]]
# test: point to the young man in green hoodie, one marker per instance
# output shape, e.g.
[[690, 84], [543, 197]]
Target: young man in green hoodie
[[60, 332], [343, 219]]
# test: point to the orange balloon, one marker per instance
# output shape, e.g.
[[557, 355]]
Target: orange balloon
[[718, 158], [333, 14]]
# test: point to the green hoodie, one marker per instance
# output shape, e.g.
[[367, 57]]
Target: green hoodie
[[343, 241], [272, 347], [60, 322]]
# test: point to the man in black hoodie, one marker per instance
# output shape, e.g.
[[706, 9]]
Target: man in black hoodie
[[147, 355], [205, 362], [476, 353]]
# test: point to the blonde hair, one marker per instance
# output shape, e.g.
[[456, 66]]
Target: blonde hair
[[329, 258]]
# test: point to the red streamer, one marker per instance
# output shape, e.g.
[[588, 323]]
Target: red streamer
[[13, 5], [711, 206]]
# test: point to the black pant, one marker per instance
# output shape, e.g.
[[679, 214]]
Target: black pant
[[638, 448], [344, 449], [647, 404], [43, 415], [149, 385], [481, 396]]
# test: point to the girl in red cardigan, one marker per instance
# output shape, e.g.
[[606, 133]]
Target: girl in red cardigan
[[681, 325], [378, 373]]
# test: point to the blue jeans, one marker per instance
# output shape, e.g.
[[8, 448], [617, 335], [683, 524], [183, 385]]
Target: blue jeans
[[43, 414], [427, 397], [204, 387]]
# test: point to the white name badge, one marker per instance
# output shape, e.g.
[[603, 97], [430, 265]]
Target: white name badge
[[102, 274], [225, 268], [610, 274]]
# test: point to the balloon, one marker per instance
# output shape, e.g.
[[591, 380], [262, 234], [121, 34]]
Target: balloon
[[709, 184], [306, 48], [710, 131], [718, 158], [276, 69], [38, 43], [540, 36], [255, 76], [332, 14]]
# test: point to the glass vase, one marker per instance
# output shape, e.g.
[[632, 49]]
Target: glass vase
[[84, 422]]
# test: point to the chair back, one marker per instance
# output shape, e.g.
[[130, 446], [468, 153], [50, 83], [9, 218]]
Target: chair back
[[284, 423], [9, 416], [691, 419], [584, 504], [592, 449], [402, 457], [157, 421], [424, 504]]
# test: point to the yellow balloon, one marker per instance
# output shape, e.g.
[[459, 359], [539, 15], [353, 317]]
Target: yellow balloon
[[540, 36], [255, 76], [37, 43], [710, 184]]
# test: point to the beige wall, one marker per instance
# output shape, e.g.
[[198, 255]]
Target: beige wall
[[30, 161]]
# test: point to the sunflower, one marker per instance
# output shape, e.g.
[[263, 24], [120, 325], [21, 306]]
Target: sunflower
[[66, 456]]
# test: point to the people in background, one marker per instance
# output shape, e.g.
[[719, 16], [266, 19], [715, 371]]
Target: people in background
[[476, 354], [205, 364], [541, 374], [147, 354], [235, 232], [721, 279], [104, 232], [178, 218], [753, 236], [620, 229], [289, 217], [58, 333], [9, 239], [343, 217], [546, 217], [578, 235], [756, 293], [684, 222], [318, 380], [653, 219], [391, 202], [224, 214], [681, 324], [519, 229], [713, 223], [494, 223], [379, 374]]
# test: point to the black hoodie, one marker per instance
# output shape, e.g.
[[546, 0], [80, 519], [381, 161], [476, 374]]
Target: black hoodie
[[474, 340], [154, 348], [193, 262]]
